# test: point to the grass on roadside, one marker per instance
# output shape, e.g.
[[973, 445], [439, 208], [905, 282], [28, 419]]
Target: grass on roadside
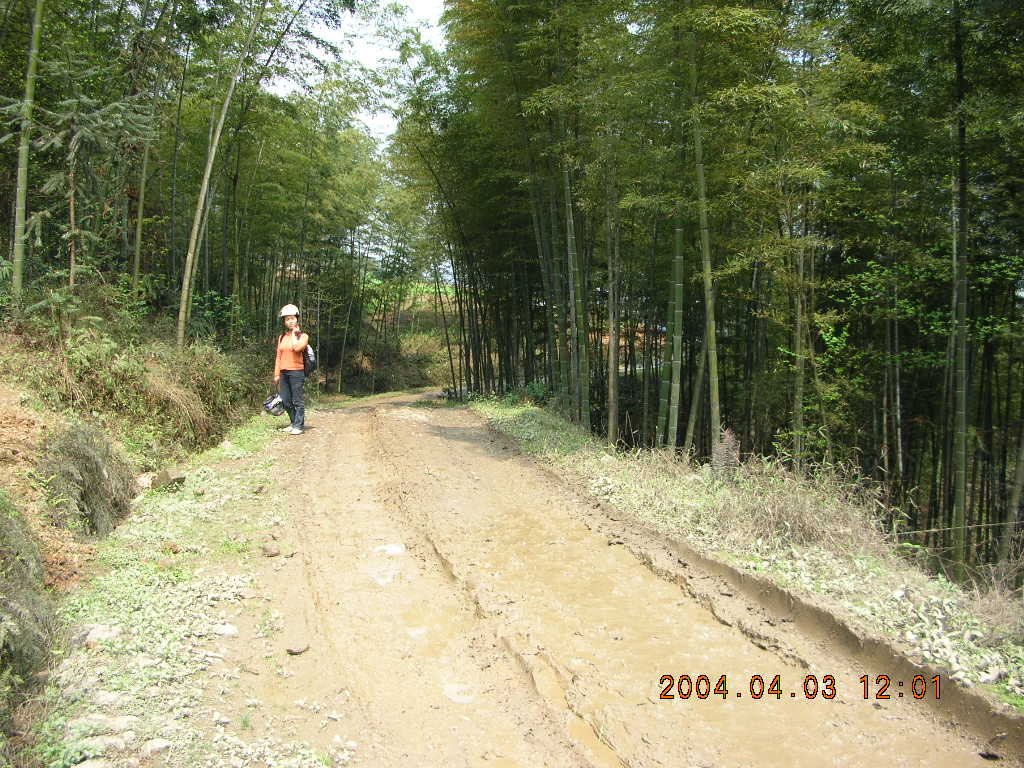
[[172, 573], [244, 440], [817, 534], [160, 403]]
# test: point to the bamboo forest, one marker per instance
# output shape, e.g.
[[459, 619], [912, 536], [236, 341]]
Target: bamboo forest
[[736, 230]]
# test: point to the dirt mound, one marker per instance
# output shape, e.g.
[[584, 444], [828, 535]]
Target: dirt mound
[[22, 430], [20, 433]]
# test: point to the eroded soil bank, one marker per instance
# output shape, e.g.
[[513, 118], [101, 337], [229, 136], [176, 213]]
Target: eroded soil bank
[[415, 592]]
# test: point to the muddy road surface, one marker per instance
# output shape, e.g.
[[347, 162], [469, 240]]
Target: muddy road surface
[[460, 609]]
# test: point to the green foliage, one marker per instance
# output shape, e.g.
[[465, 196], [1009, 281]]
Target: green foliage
[[538, 392], [159, 401], [829, 167], [420, 360]]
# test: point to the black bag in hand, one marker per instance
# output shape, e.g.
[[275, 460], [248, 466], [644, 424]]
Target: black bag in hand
[[309, 360]]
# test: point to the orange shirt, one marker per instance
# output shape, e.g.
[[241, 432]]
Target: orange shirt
[[290, 353]]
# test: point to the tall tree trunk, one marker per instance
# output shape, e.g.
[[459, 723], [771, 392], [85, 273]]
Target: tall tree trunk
[[444, 322], [579, 319], [613, 330], [705, 252], [203, 240], [665, 374], [695, 399], [648, 320], [960, 258], [72, 224], [561, 291], [174, 165], [798, 363], [190, 254], [137, 260], [21, 194], [675, 393], [547, 277], [897, 397], [1013, 508]]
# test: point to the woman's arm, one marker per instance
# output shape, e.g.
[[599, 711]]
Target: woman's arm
[[301, 342]]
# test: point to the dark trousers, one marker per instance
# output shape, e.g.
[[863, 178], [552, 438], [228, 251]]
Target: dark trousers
[[292, 383]]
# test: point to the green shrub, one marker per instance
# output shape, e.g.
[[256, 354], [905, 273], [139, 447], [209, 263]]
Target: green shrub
[[426, 358], [99, 350], [538, 392], [420, 360]]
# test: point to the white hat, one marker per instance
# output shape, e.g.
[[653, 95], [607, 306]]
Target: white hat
[[289, 309]]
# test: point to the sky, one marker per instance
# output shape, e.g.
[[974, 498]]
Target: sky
[[368, 49], [359, 41]]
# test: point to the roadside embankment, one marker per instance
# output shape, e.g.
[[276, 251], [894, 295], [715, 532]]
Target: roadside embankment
[[152, 625], [80, 417], [157, 402]]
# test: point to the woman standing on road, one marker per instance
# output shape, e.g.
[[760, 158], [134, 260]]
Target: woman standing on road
[[289, 371]]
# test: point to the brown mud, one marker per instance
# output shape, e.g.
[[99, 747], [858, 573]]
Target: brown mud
[[464, 607]]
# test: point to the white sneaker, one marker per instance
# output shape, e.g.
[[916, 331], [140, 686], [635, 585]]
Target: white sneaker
[[287, 429], [294, 431]]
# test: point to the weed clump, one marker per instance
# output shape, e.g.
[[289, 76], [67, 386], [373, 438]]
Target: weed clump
[[26, 614], [88, 482]]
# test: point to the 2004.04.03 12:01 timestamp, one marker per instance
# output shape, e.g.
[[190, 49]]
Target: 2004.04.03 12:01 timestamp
[[881, 688]]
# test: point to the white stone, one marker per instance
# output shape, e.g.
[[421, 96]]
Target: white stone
[[106, 698], [104, 744], [122, 723], [99, 633], [993, 675], [153, 746]]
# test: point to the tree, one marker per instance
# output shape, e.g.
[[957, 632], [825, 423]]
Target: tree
[[204, 185], [20, 234]]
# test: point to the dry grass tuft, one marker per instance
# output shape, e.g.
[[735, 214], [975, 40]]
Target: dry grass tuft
[[996, 600], [181, 408], [26, 614], [820, 509], [89, 484]]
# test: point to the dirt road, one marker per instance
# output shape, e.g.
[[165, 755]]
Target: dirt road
[[460, 611]]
